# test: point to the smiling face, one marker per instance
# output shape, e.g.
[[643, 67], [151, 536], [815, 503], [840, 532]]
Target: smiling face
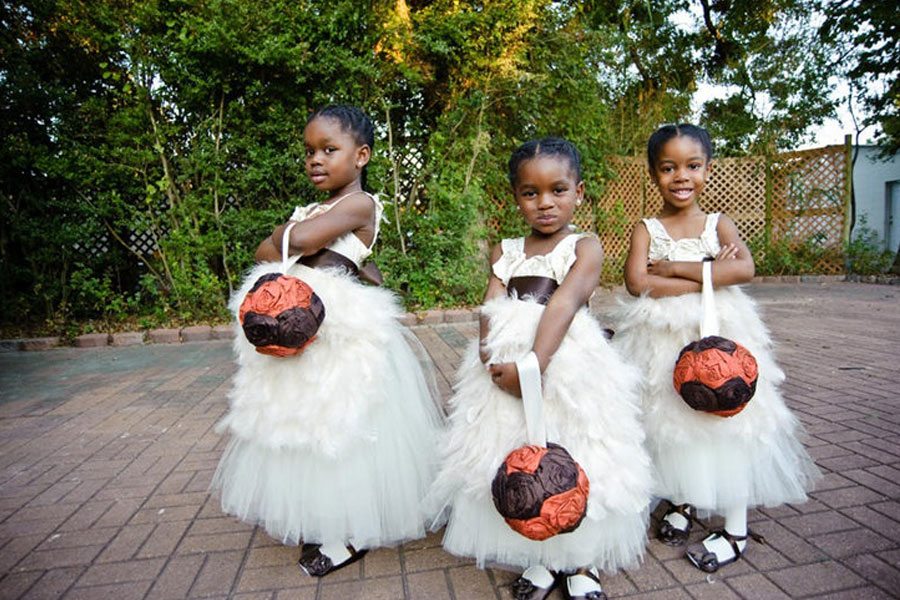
[[547, 191], [334, 159], [681, 172]]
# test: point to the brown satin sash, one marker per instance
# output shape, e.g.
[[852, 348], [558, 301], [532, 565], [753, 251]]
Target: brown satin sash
[[325, 258], [538, 288]]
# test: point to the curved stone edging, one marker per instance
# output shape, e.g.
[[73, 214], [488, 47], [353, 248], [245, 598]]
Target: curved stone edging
[[202, 333]]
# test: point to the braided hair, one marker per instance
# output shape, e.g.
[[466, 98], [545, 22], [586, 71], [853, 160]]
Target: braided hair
[[548, 146], [667, 132], [353, 121]]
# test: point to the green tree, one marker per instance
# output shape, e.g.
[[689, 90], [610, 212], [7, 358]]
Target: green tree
[[866, 40]]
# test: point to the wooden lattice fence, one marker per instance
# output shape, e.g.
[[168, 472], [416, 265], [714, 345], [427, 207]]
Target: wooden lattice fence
[[796, 199]]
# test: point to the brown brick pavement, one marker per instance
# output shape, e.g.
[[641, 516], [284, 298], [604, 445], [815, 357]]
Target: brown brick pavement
[[106, 455]]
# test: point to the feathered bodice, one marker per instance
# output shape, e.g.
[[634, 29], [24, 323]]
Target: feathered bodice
[[663, 247]]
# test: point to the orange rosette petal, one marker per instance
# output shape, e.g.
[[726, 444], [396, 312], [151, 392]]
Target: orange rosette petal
[[748, 364], [264, 300], [684, 370], [525, 459], [565, 511], [537, 529], [294, 293], [713, 367]]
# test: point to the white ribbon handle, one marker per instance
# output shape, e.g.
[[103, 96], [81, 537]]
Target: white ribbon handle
[[532, 399], [287, 263], [709, 325]]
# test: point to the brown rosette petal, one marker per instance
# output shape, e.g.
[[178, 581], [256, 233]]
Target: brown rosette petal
[[296, 327], [558, 471], [517, 495], [261, 330]]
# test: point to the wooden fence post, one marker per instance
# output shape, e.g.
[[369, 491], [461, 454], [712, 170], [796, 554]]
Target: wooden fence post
[[767, 226], [848, 189]]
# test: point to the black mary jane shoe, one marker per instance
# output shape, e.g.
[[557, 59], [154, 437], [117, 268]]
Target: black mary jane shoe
[[670, 535], [316, 564], [593, 595], [525, 589], [707, 561]]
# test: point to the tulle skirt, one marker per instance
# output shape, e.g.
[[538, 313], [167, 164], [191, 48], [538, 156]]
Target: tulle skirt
[[339, 442], [753, 458], [590, 408]]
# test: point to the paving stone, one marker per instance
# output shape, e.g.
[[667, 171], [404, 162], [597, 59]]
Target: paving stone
[[218, 574], [55, 582], [41, 343], [176, 579], [164, 336], [815, 578], [876, 571], [127, 338], [103, 484], [133, 570], [430, 317], [197, 333], [459, 315], [848, 543], [92, 340], [120, 591], [11, 345], [382, 588], [428, 584], [223, 332], [470, 582], [408, 319]]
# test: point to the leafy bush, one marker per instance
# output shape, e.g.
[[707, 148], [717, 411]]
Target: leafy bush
[[865, 253]]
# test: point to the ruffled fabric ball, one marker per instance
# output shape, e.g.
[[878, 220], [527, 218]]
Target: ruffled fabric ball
[[280, 315], [541, 492], [716, 375]]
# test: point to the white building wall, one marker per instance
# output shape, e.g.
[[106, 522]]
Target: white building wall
[[876, 185]]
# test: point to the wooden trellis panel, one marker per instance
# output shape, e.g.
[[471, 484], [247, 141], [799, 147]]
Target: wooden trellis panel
[[808, 198], [798, 197]]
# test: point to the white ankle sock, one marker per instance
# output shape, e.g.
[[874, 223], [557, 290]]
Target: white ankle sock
[[582, 585], [539, 575], [336, 551]]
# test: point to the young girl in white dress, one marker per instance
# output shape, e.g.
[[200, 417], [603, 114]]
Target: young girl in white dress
[[703, 461], [334, 447], [537, 301]]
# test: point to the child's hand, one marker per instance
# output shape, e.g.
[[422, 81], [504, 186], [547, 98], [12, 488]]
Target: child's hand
[[506, 377], [660, 268], [727, 251]]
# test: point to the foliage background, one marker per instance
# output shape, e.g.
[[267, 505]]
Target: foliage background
[[148, 145]]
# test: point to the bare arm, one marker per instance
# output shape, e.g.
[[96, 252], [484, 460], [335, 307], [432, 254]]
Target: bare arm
[[495, 288], [310, 236], [575, 291], [639, 280]]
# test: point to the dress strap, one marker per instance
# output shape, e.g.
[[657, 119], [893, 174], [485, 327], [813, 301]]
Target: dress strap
[[512, 246], [379, 216], [712, 222], [655, 228]]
